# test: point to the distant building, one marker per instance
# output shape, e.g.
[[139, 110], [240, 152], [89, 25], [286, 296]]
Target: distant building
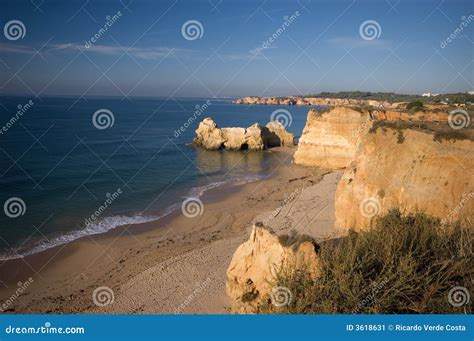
[[429, 94], [470, 92]]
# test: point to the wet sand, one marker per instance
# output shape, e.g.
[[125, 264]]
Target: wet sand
[[176, 264]]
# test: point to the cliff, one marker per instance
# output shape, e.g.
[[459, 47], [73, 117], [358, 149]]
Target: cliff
[[406, 169], [313, 101], [330, 138], [255, 137], [256, 262]]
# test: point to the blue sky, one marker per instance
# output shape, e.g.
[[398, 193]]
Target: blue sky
[[144, 52]]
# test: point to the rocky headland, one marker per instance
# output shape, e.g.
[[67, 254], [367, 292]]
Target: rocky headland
[[314, 101], [330, 138], [409, 170], [411, 162]]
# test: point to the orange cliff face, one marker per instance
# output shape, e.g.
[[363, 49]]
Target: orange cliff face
[[401, 168], [416, 175], [330, 138]]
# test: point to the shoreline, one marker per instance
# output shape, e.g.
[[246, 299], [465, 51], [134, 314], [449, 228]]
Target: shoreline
[[65, 277], [195, 192]]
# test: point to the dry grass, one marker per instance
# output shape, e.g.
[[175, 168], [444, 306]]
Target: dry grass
[[403, 264]]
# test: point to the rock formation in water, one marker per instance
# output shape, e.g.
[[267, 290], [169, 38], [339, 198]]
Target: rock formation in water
[[275, 135], [258, 260], [330, 138], [255, 137], [406, 169]]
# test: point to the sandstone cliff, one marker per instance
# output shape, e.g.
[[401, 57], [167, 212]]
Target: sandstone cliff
[[419, 116], [256, 262], [314, 101], [255, 137], [406, 169], [330, 138]]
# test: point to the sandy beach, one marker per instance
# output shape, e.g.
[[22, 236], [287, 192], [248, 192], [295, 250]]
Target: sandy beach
[[176, 264]]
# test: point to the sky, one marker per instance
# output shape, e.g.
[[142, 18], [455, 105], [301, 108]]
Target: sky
[[316, 46]]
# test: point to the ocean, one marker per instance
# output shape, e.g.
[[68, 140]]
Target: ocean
[[71, 168]]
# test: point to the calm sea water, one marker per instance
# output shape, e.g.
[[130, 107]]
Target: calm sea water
[[64, 168]]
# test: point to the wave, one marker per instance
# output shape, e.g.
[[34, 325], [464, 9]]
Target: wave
[[109, 223]]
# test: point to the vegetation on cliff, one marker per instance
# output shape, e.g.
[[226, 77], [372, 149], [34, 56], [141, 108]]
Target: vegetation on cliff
[[439, 132], [403, 264], [393, 97]]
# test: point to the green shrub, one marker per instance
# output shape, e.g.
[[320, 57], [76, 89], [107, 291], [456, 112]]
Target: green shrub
[[294, 239], [415, 106], [402, 264], [448, 135]]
